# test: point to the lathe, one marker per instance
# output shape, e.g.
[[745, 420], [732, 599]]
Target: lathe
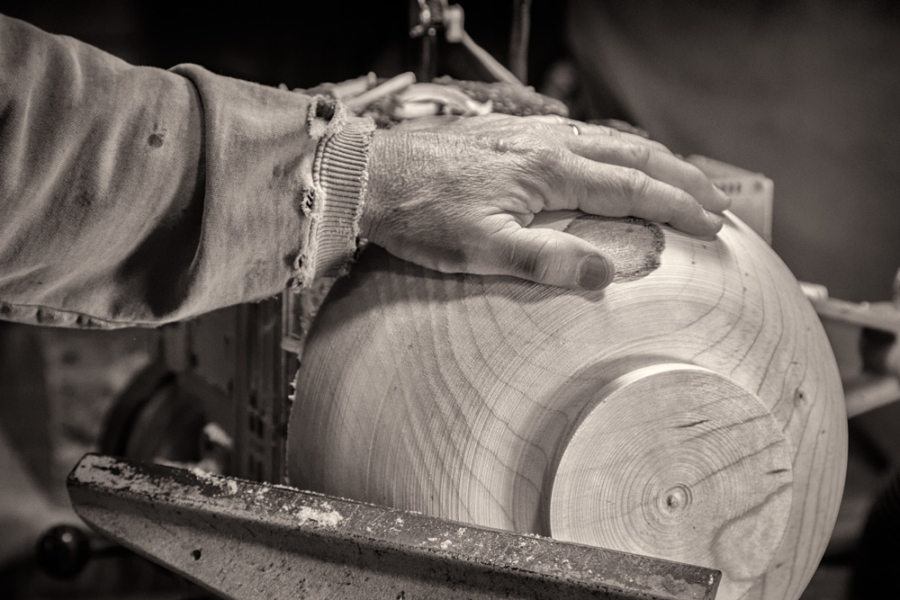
[[691, 413], [681, 434]]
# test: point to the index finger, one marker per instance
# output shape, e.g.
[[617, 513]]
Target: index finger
[[662, 166], [613, 191]]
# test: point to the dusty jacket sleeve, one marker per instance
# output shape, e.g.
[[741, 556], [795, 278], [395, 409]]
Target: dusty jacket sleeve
[[137, 196]]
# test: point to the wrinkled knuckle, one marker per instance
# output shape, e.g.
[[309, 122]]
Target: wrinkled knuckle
[[611, 131], [563, 171], [543, 154], [640, 155], [634, 183], [523, 263], [532, 262], [543, 263]]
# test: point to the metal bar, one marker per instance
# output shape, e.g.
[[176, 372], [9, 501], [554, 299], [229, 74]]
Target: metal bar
[[493, 66], [246, 540], [518, 44], [870, 391], [877, 315]]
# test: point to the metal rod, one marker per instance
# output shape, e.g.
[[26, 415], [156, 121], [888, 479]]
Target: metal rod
[[518, 44], [242, 539]]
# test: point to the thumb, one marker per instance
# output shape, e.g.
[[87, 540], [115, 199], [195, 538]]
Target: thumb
[[553, 258]]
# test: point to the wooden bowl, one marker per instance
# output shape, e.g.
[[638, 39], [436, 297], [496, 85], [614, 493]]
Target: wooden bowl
[[691, 411]]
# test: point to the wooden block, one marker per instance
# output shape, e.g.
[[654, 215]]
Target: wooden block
[[691, 411]]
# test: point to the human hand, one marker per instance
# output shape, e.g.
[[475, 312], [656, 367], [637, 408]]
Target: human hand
[[457, 195]]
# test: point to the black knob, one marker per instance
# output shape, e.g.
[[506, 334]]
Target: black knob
[[63, 552]]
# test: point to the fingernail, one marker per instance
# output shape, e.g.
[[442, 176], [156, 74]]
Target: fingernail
[[595, 273], [716, 220], [724, 197]]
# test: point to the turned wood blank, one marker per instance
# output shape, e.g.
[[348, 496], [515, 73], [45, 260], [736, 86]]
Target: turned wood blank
[[691, 411]]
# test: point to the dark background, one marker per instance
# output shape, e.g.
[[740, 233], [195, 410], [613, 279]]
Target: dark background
[[299, 44]]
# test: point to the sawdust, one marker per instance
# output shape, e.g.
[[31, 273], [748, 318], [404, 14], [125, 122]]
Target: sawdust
[[226, 485], [329, 518]]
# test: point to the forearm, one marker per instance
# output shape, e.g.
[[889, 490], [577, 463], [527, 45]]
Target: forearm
[[137, 196]]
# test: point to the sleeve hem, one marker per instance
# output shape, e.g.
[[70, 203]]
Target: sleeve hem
[[334, 204]]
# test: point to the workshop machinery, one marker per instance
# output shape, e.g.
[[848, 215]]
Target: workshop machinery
[[225, 379], [231, 525], [222, 387]]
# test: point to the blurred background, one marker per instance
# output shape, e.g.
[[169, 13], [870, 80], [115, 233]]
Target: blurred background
[[806, 92]]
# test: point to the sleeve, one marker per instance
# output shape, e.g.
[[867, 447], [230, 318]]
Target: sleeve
[[135, 196]]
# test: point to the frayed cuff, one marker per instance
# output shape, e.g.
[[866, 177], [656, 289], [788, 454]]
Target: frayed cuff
[[333, 206]]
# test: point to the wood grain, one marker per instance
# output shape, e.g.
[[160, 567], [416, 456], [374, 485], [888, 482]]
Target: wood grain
[[690, 411]]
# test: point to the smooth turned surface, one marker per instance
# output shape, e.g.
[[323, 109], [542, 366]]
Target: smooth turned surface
[[691, 411], [702, 458]]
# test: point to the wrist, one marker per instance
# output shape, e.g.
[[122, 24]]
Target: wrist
[[370, 219]]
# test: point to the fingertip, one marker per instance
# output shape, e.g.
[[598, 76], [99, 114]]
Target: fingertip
[[595, 272], [712, 198], [702, 224], [716, 222], [724, 200]]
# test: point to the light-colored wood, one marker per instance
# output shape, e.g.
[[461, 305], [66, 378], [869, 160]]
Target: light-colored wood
[[702, 458], [691, 411]]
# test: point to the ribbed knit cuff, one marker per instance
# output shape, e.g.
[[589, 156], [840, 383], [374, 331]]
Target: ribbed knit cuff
[[339, 177]]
